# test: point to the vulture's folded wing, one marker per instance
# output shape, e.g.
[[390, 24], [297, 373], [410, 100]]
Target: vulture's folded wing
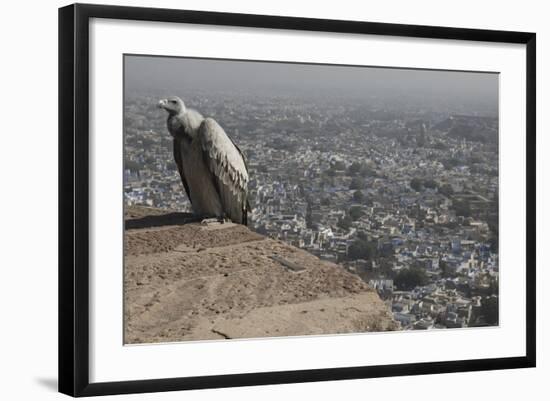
[[228, 168], [177, 158]]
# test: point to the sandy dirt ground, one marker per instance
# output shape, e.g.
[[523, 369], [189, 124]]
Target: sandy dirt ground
[[222, 281]]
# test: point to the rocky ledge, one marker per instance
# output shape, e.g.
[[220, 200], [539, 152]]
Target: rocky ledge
[[188, 281]]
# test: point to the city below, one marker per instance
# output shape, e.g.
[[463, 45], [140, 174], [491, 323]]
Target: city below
[[404, 196]]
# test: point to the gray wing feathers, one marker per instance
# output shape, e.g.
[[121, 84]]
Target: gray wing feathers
[[177, 158], [228, 168]]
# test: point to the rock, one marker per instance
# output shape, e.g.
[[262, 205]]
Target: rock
[[240, 284]]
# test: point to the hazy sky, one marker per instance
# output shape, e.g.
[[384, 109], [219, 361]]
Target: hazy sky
[[178, 74]]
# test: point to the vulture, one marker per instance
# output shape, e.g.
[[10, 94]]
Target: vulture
[[212, 168]]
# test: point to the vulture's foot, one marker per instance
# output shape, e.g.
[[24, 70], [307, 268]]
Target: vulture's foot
[[213, 221]]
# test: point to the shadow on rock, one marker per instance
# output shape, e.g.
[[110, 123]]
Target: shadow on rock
[[169, 219]]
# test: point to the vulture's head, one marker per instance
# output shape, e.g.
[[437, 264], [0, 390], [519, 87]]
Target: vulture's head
[[173, 105]]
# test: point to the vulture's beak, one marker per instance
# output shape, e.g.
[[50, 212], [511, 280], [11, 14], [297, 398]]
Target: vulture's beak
[[162, 103]]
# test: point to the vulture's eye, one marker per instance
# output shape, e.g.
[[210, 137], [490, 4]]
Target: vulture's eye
[[173, 101]]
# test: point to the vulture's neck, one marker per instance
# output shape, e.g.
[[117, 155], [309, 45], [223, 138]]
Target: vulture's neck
[[189, 122], [192, 121]]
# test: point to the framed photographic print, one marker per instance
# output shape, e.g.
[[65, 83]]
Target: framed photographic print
[[250, 199]]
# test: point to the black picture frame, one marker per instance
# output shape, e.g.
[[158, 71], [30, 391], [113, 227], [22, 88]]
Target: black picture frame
[[74, 198]]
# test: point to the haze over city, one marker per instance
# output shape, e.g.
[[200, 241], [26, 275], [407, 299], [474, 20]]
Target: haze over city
[[172, 74]]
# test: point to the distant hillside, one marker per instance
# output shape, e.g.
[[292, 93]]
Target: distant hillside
[[470, 128], [187, 281]]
